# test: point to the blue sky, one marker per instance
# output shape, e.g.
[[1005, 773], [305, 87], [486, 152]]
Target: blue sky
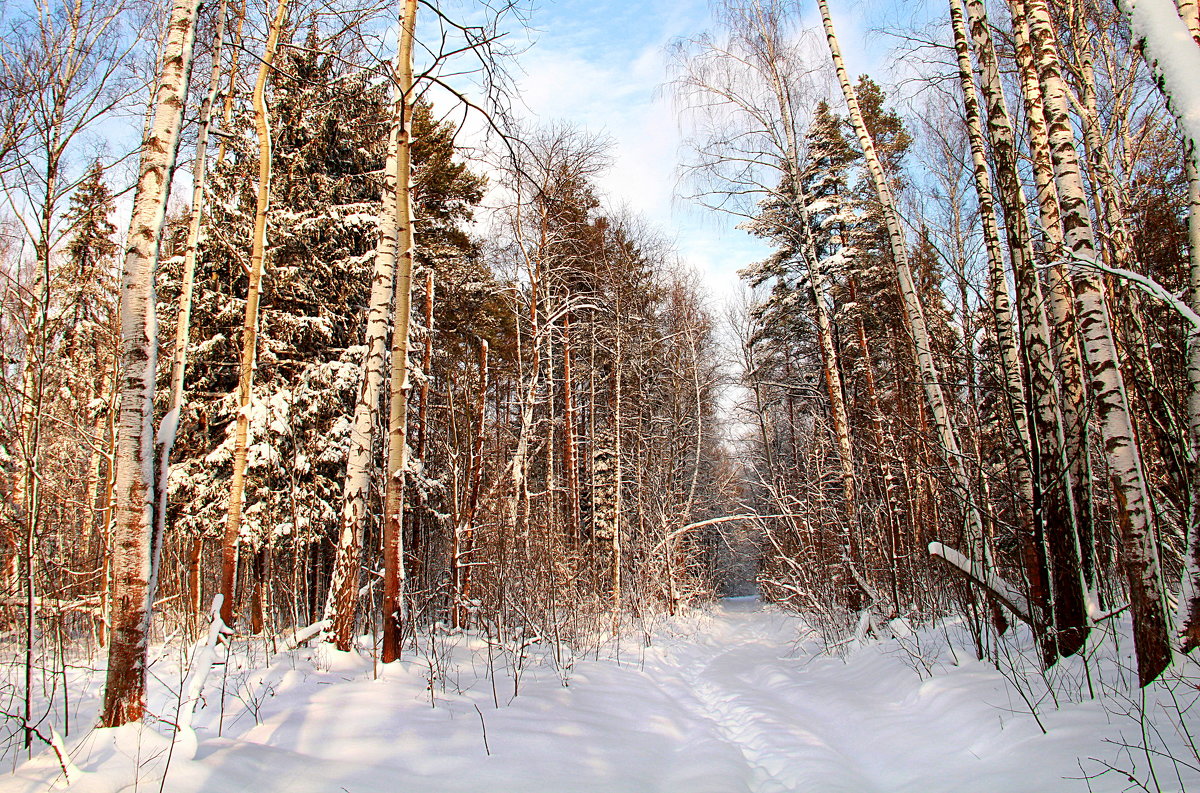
[[600, 64]]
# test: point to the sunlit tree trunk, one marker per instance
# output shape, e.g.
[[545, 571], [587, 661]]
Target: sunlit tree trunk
[[463, 541], [258, 243], [1054, 528], [1065, 340], [570, 461], [231, 90], [1001, 300], [341, 607], [1162, 33], [135, 548], [767, 34], [914, 315], [399, 383], [1187, 622], [170, 423]]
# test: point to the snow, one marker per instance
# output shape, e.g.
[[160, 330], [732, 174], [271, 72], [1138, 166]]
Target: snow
[[1170, 48], [741, 697]]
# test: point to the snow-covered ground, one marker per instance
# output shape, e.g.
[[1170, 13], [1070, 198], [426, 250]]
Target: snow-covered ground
[[738, 698]]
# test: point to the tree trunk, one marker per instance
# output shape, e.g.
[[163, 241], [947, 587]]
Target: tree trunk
[[1154, 22], [1065, 340], [910, 301], [135, 548], [341, 607], [237, 485], [170, 423], [1006, 339], [464, 531], [397, 450], [1140, 556], [1187, 620], [227, 110], [570, 462], [1054, 533]]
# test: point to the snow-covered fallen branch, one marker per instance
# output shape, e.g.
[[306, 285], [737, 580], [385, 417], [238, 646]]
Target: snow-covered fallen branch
[[305, 634], [1000, 589]]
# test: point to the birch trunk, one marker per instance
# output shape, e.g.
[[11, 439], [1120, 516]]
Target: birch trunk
[[426, 368], [227, 111], [341, 607], [1187, 620], [1001, 301], [768, 34], [1064, 340], [1160, 429], [397, 450], [615, 560], [135, 548], [914, 315], [1163, 33], [464, 530], [237, 485], [1057, 546], [570, 462], [1140, 555], [170, 423]]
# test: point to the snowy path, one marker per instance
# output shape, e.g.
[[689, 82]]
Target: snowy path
[[729, 702]]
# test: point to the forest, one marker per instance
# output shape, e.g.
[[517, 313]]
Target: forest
[[327, 362]]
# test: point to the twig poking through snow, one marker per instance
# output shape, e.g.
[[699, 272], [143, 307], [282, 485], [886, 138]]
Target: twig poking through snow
[[483, 724]]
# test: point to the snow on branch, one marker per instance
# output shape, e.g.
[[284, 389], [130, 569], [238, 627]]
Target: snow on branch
[[202, 664], [1000, 589], [1148, 285], [1171, 52], [305, 634]]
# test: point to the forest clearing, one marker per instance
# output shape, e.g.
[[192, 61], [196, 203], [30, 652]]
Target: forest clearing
[[763, 395]]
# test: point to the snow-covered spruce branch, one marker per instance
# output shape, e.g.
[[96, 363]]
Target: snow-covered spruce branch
[[1013, 600]]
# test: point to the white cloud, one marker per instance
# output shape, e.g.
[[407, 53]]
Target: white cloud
[[615, 90], [600, 65]]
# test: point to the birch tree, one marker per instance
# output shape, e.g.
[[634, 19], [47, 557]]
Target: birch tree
[[343, 591], [135, 546], [341, 605], [1054, 530], [399, 383], [1108, 387], [166, 440], [1065, 336], [1170, 41], [914, 314]]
